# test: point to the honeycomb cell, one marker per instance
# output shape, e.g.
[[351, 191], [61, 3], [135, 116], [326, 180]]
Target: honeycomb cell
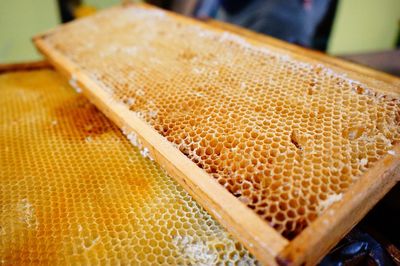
[[70, 201], [286, 137]]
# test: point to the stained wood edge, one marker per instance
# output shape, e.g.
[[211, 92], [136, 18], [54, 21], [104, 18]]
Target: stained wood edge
[[322, 234], [257, 235], [24, 66]]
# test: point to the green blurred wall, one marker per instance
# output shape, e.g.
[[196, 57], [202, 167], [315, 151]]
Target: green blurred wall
[[100, 4], [365, 26], [19, 21]]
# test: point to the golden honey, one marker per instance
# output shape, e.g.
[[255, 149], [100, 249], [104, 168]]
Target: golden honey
[[74, 191]]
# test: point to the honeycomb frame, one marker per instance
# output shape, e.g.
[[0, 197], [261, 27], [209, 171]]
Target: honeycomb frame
[[62, 128], [223, 206]]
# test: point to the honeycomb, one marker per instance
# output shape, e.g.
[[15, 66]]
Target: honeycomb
[[74, 191], [286, 137]]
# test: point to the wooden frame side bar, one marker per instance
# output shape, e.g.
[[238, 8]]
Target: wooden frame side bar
[[263, 241], [35, 65]]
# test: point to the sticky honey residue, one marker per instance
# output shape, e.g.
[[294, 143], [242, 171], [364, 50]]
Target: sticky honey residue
[[26, 213], [325, 204], [196, 250], [77, 112]]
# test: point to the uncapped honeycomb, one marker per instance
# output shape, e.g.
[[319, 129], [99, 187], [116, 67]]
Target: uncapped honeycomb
[[284, 136], [74, 191]]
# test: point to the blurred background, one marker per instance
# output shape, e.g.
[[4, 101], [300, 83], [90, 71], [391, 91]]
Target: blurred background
[[366, 31]]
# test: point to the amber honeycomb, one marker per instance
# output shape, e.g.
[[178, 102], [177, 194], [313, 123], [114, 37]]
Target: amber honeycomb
[[74, 191], [286, 137]]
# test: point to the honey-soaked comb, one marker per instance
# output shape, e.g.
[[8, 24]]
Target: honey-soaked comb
[[73, 190], [286, 137]]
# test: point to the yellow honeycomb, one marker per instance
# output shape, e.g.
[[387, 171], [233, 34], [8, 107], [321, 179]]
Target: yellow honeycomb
[[284, 136], [74, 191]]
